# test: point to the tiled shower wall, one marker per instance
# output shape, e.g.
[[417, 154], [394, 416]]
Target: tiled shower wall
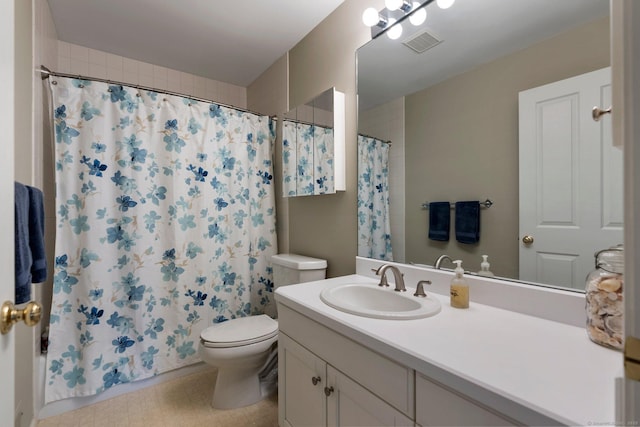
[[75, 59]]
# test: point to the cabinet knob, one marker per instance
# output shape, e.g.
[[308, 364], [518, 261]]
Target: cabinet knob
[[316, 380], [328, 391]]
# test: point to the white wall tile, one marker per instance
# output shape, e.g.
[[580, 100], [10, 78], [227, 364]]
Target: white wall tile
[[146, 80], [145, 69], [114, 62], [78, 67], [97, 57], [76, 59], [64, 49], [79, 53], [115, 74], [99, 71]]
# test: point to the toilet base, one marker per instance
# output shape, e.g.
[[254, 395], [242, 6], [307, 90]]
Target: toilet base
[[236, 388]]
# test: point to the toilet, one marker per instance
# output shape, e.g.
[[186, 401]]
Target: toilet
[[241, 348]]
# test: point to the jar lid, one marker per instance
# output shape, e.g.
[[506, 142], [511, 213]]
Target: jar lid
[[611, 259]]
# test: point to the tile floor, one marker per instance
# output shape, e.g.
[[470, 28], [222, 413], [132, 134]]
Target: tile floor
[[183, 402]]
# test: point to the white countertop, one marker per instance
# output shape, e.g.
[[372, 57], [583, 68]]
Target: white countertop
[[518, 364]]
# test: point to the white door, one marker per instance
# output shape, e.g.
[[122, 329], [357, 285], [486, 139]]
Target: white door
[[625, 43], [571, 184], [7, 356]]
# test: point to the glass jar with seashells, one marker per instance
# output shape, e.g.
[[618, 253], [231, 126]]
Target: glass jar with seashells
[[604, 303]]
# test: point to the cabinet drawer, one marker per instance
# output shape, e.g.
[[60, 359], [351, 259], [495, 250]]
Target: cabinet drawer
[[440, 406], [385, 378]]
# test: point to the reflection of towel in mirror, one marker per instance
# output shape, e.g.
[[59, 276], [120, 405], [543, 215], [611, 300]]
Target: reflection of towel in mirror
[[468, 222], [30, 261], [439, 221]]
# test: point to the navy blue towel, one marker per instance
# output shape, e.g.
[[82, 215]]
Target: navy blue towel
[[468, 222], [36, 236], [30, 260], [23, 258], [439, 221]]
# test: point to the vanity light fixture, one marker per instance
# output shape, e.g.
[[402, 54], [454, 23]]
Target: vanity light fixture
[[372, 18], [445, 4], [389, 19], [395, 30]]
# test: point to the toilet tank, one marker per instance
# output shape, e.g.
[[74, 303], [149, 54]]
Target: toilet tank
[[291, 268]]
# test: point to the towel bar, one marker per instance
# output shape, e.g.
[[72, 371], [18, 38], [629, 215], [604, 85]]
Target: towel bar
[[486, 204]]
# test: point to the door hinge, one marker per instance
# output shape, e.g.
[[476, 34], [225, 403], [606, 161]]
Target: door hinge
[[632, 358]]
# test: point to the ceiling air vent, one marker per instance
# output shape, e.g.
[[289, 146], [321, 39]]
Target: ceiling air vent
[[422, 42]]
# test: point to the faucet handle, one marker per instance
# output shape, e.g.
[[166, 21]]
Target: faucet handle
[[420, 288], [383, 279]]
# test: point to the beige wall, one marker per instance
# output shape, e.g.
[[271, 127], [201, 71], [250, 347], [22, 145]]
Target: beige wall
[[325, 226], [269, 94], [462, 143]]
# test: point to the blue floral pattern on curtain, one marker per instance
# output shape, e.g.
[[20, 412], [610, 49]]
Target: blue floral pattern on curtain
[[165, 225], [374, 229], [307, 159]]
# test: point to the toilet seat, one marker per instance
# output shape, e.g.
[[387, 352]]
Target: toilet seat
[[239, 332]]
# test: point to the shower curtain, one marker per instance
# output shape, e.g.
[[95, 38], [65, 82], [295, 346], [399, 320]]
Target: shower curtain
[[165, 226], [307, 159], [374, 229]]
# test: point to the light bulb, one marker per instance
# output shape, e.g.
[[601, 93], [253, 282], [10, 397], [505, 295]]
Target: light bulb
[[393, 4], [394, 31], [445, 4], [370, 17], [418, 16]]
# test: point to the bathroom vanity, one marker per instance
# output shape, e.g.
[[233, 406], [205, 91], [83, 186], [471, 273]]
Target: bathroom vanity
[[480, 366]]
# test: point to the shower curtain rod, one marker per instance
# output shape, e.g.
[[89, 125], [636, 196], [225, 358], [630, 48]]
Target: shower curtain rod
[[373, 137], [302, 122], [46, 73]]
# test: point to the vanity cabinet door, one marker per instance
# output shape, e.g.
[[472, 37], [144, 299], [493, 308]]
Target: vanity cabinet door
[[439, 406], [301, 382], [350, 404]]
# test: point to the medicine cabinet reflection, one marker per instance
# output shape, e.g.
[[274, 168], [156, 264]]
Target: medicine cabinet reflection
[[313, 146]]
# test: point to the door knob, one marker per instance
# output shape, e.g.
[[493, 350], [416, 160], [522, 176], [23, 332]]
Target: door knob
[[10, 315], [597, 113], [527, 240]]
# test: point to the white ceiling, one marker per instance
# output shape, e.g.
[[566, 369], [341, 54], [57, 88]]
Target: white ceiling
[[474, 32], [231, 41]]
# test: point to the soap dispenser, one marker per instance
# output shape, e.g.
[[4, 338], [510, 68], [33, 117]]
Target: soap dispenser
[[484, 267], [459, 288]]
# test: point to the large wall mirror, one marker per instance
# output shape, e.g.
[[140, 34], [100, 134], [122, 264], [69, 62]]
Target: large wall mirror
[[460, 97]]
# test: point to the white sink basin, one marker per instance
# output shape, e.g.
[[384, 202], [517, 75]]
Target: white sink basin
[[369, 300]]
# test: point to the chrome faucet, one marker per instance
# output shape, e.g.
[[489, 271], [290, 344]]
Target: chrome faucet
[[440, 259], [397, 277]]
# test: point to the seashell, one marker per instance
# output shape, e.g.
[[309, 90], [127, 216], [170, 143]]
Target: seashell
[[613, 324], [598, 335], [609, 285], [612, 296]]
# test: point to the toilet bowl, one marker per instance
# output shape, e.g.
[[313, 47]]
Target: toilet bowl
[[239, 348], [242, 348]]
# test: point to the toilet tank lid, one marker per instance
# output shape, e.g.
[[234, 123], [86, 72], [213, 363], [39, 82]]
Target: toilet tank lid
[[299, 262]]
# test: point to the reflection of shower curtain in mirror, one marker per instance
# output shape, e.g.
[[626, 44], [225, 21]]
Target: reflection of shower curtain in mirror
[[307, 159], [374, 229], [165, 226]]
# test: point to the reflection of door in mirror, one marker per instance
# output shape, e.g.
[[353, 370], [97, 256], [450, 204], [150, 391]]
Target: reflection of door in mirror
[[572, 176]]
